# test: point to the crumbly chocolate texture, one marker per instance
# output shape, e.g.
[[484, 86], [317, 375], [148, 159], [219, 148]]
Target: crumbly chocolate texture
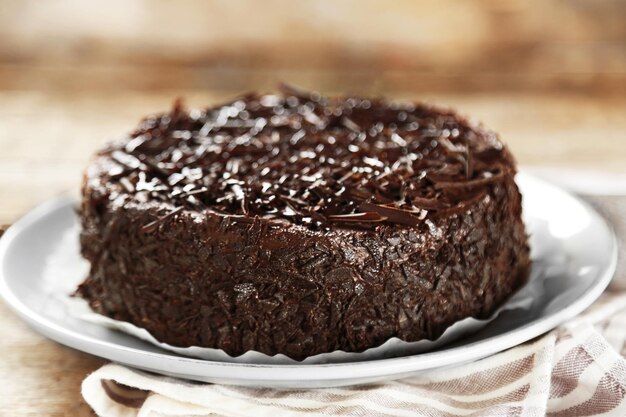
[[298, 224]]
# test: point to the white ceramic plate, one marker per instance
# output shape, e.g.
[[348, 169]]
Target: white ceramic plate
[[574, 253]]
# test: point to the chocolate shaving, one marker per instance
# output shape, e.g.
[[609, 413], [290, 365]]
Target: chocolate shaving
[[178, 110], [393, 214], [128, 186], [470, 184], [350, 124], [370, 217], [194, 192], [152, 226], [469, 167], [428, 203], [461, 207], [316, 158], [154, 167], [290, 90]]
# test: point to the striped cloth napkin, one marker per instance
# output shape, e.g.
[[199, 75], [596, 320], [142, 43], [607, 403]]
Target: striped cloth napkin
[[578, 369]]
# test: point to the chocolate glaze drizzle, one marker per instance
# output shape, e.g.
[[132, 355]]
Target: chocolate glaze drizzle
[[310, 159]]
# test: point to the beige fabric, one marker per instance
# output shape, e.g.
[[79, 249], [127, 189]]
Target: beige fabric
[[579, 369]]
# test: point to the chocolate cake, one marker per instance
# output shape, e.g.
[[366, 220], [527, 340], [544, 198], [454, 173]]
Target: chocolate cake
[[298, 224]]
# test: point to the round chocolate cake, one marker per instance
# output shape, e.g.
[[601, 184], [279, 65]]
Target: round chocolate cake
[[298, 224]]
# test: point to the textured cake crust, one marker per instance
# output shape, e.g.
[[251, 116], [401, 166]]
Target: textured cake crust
[[396, 251]]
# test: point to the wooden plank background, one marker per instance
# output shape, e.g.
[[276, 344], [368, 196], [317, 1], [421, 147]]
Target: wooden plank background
[[549, 75], [368, 46]]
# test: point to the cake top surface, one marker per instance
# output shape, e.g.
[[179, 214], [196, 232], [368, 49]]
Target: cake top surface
[[309, 159]]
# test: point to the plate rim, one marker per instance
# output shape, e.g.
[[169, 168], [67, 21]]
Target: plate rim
[[258, 373]]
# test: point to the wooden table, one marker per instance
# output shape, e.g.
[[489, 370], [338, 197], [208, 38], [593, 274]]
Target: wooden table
[[46, 140]]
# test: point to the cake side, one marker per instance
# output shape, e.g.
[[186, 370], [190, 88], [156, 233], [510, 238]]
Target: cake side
[[302, 279]]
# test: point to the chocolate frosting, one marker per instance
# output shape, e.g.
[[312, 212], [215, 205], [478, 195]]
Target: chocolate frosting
[[310, 160], [297, 224]]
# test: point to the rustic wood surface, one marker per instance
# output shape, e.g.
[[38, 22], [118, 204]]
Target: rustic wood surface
[[360, 44], [46, 141]]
